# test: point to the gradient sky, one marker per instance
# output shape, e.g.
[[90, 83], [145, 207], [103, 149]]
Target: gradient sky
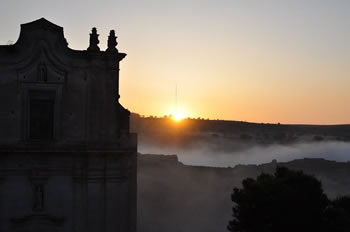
[[262, 61]]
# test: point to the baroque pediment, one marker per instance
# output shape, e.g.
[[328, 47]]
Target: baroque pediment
[[42, 34], [42, 67], [40, 30]]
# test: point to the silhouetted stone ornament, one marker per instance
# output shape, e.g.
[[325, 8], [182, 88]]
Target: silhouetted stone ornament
[[94, 40], [112, 42]]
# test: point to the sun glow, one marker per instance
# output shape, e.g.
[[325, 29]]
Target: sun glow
[[178, 116]]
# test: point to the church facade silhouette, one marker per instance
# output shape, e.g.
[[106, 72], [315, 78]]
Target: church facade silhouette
[[67, 159]]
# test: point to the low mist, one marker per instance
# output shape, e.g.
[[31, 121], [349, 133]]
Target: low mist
[[206, 155], [176, 197]]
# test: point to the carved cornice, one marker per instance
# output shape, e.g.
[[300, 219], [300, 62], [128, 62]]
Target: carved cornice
[[121, 175], [39, 176], [37, 219], [101, 175]]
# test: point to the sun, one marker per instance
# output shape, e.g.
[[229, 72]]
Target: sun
[[178, 116]]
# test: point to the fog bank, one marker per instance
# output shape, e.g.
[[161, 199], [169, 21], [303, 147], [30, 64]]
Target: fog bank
[[205, 155]]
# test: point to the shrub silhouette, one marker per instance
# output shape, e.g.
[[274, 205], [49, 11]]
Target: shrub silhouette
[[287, 201], [337, 215]]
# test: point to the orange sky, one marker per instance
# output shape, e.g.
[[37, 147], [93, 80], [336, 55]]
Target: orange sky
[[260, 61]]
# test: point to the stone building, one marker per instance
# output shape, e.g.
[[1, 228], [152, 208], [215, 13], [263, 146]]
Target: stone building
[[67, 159]]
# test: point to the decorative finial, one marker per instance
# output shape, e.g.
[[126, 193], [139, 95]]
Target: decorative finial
[[112, 42], [94, 40]]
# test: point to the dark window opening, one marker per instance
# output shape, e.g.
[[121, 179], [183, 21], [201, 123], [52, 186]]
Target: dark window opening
[[41, 117]]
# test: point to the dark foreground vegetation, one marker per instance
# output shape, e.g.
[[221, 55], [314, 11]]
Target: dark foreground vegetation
[[287, 201]]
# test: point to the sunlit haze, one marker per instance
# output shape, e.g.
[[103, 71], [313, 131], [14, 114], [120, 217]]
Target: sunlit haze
[[178, 116], [259, 61]]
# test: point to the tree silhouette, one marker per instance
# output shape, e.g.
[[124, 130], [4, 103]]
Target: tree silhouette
[[337, 215], [287, 201]]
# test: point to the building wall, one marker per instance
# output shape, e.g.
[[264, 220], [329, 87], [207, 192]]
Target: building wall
[[67, 160], [85, 85], [81, 191]]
